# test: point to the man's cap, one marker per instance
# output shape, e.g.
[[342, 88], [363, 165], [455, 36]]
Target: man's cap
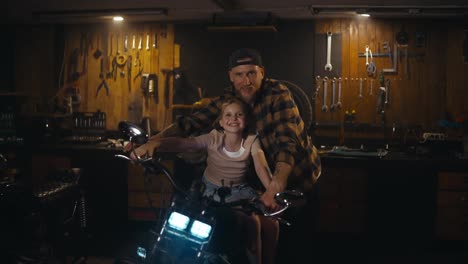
[[245, 56]]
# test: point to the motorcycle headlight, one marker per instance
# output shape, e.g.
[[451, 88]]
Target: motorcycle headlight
[[178, 221], [200, 229]]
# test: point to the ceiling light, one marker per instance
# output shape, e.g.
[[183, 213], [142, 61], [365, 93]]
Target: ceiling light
[[362, 12], [93, 16], [118, 18]]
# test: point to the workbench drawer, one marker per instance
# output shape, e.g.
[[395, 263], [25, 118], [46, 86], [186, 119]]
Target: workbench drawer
[[452, 223], [453, 180]]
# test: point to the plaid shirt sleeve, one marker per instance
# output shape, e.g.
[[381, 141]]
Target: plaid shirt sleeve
[[283, 135], [287, 125], [202, 120]]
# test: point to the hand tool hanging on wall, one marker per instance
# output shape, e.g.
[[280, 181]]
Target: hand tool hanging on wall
[[328, 65], [138, 60], [109, 55], [103, 79], [387, 91], [338, 103], [332, 106], [140, 42], [114, 68], [155, 40], [393, 60], [97, 54], [370, 65], [317, 87], [129, 72], [360, 88], [126, 43], [149, 86], [382, 95], [138, 64], [324, 104], [328, 54], [147, 41], [121, 58]]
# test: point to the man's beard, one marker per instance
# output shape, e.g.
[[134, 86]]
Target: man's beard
[[248, 97]]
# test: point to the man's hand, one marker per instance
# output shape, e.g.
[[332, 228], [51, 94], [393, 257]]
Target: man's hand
[[277, 184], [268, 197]]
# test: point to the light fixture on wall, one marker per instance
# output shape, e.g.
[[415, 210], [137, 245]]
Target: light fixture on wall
[[96, 16], [388, 11], [362, 12]]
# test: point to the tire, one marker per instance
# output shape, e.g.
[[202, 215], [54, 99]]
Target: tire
[[302, 102]]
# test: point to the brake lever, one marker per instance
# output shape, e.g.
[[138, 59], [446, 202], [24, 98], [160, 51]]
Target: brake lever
[[282, 221]]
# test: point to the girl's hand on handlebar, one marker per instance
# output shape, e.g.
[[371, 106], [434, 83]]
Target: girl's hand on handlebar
[[141, 151]]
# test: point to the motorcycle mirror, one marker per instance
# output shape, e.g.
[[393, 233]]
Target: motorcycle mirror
[[3, 162], [289, 198], [133, 132]]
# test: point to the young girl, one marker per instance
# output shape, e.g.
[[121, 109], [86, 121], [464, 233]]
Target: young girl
[[229, 147]]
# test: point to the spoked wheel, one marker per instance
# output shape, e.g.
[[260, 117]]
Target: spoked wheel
[[302, 102]]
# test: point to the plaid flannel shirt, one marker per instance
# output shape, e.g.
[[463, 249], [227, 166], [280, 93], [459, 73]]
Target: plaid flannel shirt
[[279, 126]]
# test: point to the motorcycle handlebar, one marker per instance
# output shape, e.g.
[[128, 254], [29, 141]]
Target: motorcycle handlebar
[[285, 198]]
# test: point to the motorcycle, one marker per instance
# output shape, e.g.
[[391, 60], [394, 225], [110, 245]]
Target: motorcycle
[[193, 229]]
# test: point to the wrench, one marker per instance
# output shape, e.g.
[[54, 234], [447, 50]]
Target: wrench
[[147, 41], [387, 89], [360, 88], [333, 105], [381, 99], [338, 104], [317, 86], [126, 44], [371, 86], [118, 48], [139, 43], [155, 40], [328, 66], [324, 105]]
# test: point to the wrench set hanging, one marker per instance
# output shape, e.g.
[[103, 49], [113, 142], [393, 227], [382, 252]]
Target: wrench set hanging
[[324, 82]]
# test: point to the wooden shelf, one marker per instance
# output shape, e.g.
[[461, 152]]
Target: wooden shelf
[[11, 94]]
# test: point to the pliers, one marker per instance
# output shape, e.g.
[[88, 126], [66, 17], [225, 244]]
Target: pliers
[[103, 82]]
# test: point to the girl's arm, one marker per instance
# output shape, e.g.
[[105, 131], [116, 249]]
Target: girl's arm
[[271, 185], [169, 144], [261, 168], [176, 144]]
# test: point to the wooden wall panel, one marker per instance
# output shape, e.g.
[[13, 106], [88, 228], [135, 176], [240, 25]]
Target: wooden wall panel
[[153, 58], [457, 74], [427, 86]]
